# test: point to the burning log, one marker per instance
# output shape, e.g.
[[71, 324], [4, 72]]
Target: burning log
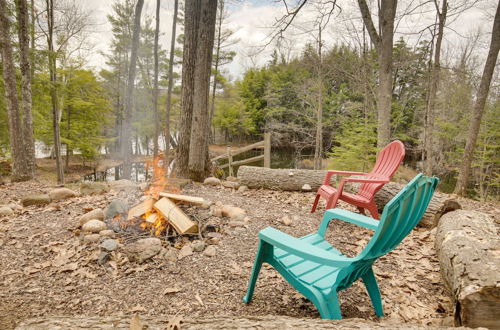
[[140, 209], [175, 216], [184, 198]]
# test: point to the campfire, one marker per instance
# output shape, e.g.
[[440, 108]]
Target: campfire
[[159, 213]]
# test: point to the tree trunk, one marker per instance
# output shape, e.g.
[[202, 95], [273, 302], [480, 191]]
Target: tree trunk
[[482, 94], [198, 150], [155, 86], [279, 179], [318, 147], [192, 12], [433, 85], [275, 322], [52, 58], [19, 172], [170, 87], [383, 42], [127, 125], [26, 113], [216, 60], [468, 248]]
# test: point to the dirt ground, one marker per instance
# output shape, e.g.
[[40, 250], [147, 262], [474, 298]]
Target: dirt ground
[[46, 270]]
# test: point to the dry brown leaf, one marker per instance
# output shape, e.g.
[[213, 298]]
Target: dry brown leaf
[[198, 298], [137, 308], [135, 323], [69, 267], [171, 290]]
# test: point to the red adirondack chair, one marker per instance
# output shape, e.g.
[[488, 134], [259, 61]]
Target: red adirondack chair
[[386, 165]]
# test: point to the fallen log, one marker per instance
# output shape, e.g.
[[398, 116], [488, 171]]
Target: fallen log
[[175, 216], [279, 179], [210, 322], [468, 248], [290, 179], [439, 205]]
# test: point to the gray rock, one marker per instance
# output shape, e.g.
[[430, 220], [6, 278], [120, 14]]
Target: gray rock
[[143, 185], [94, 226], [169, 254], [212, 181], [236, 224], [109, 245], [240, 229], [124, 185], [186, 251], [92, 238], [5, 210], [103, 258], [234, 213], [107, 233], [116, 207], [210, 251], [286, 220], [143, 249], [242, 188], [97, 214], [230, 184], [198, 246], [36, 199], [232, 179], [61, 193], [91, 188], [306, 187]]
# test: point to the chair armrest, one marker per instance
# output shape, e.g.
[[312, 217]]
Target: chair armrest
[[302, 249], [332, 172], [347, 216], [363, 180]]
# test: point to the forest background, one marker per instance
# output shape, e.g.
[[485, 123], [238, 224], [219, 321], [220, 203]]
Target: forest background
[[316, 93]]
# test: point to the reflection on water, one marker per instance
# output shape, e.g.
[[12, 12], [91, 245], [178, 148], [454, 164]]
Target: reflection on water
[[140, 173]]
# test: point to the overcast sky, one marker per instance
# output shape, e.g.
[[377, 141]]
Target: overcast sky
[[251, 21]]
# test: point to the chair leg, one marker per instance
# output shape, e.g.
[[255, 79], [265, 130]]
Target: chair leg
[[374, 292], [315, 204], [259, 259], [332, 201], [373, 210], [334, 307]]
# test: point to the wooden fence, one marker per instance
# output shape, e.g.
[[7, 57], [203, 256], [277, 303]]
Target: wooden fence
[[265, 144]]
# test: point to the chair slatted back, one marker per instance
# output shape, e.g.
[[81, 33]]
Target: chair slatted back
[[387, 163]]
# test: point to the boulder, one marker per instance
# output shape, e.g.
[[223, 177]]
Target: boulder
[[233, 212], [210, 251], [143, 249], [109, 245], [107, 233], [212, 181], [124, 185], [230, 184], [198, 246], [94, 226], [242, 188], [97, 214], [92, 238], [232, 179], [93, 187], [36, 199], [115, 208], [5, 210], [186, 251], [61, 193]]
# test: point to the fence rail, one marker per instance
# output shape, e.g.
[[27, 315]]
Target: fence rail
[[265, 144]]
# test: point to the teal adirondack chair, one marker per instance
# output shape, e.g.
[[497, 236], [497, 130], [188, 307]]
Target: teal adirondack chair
[[317, 270]]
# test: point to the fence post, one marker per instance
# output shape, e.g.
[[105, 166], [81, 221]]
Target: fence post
[[230, 160], [267, 149]]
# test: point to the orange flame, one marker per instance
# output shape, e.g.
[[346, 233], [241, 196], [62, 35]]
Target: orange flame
[[159, 177]]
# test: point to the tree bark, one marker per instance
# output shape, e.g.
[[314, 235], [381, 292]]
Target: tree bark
[[192, 12], [318, 147], [52, 58], [127, 125], [482, 94], [210, 322], [198, 150], [155, 83], [170, 87], [433, 86], [9, 75], [383, 42], [468, 249], [216, 59], [26, 113]]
